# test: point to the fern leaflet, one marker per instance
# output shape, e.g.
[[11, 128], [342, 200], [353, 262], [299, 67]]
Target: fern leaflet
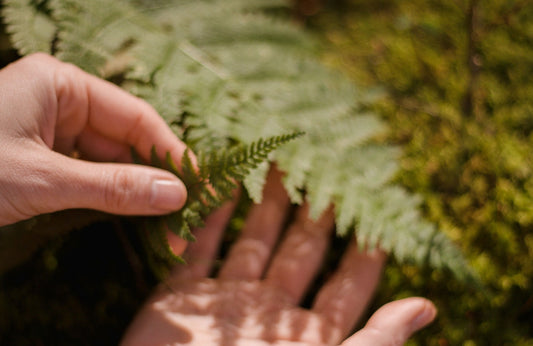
[[209, 184]]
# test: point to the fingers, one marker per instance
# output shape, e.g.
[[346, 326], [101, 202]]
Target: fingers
[[201, 254], [176, 243], [58, 182], [111, 114], [76, 110], [394, 323], [250, 254], [344, 298], [301, 253], [123, 189], [50, 104]]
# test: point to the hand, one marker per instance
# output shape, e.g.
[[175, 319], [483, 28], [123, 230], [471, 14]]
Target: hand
[[254, 300], [51, 111]]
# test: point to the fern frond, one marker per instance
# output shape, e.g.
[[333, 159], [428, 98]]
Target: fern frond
[[234, 81], [91, 35], [208, 186], [157, 238], [31, 28]]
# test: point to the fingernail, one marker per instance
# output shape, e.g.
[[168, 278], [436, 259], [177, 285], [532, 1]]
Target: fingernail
[[168, 194], [426, 316]]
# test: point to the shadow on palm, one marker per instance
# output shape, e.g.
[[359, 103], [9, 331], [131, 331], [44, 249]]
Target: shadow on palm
[[254, 298]]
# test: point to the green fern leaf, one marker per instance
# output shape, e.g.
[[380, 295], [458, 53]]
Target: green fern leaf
[[30, 26], [208, 185], [234, 81]]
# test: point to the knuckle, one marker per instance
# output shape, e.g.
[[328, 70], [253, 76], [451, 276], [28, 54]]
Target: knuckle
[[38, 58], [40, 63], [119, 192]]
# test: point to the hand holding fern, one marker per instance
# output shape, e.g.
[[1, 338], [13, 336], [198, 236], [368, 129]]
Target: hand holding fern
[[51, 112], [255, 298]]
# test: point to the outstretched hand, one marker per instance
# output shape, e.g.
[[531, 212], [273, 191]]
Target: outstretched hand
[[51, 112], [254, 299]]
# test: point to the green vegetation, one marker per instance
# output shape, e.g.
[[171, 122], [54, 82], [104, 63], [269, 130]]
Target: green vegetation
[[219, 82], [459, 99], [209, 183], [449, 79]]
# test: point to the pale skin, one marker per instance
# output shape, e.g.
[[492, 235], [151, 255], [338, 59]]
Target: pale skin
[[50, 110], [254, 299], [65, 139]]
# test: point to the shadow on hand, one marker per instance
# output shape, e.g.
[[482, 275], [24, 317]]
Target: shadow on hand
[[227, 312]]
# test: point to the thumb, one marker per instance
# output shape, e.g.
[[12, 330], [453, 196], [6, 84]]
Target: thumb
[[394, 323], [125, 189]]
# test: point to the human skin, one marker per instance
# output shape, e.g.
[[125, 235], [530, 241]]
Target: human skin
[[65, 139], [255, 297], [50, 110]]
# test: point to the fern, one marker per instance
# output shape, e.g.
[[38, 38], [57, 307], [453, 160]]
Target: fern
[[209, 184], [220, 81], [29, 23]]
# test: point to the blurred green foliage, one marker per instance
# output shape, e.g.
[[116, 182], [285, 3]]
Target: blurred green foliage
[[459, 98]]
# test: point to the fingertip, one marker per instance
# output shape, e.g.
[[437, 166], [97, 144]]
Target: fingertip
[[395, 322], [426, 313], [168, 195], [176, 243], [415, 312], [123, 189]]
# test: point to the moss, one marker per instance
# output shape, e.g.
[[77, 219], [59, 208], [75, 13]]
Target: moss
[[459, 99]]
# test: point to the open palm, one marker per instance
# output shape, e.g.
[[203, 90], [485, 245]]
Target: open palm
[[254, 299]]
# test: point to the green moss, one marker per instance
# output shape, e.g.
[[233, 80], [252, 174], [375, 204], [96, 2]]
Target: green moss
[[460, 100]]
